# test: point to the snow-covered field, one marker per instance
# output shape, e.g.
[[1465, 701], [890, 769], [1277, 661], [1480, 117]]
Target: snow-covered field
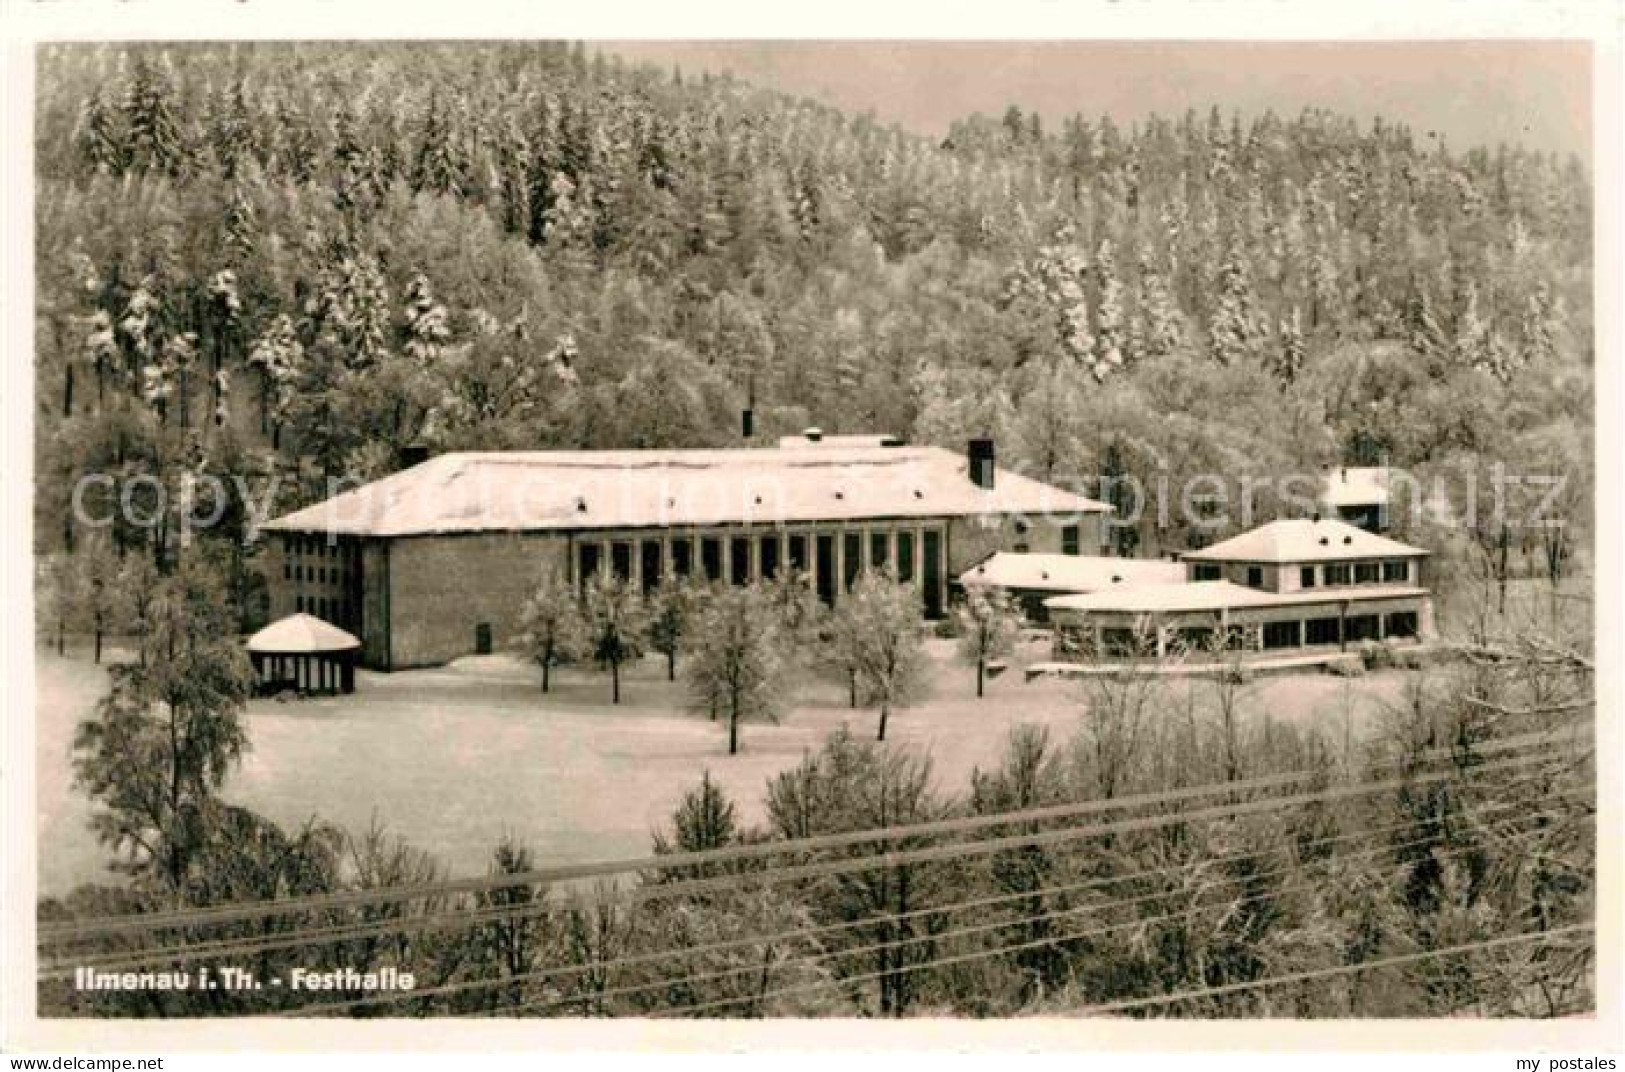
[[452, 758]]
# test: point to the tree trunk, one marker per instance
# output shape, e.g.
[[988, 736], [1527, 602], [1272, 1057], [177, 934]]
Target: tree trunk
[[67, 391], [98, 655], [1501, 569], [733, 731], [671, 665], [615, 681], [852, 688], [979, 672], [885, 712], [547, 666]]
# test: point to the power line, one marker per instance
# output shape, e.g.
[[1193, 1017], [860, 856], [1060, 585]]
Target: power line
[[871, 921], [70, 930], [982, 928], [850, 865], [1326, 973], [682, 861], [1005, 950]]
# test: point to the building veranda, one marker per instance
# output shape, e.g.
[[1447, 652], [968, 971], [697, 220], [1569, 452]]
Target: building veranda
[[1285, 586]]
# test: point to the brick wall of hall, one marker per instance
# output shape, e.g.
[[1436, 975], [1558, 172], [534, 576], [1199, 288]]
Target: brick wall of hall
[[443, 588], [972, 539]]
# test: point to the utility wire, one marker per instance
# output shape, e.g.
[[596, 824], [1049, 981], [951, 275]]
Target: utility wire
[[69, 930], [1047, 916], [859, 864], [1096, 1010], [869, 921], [1326, 973]]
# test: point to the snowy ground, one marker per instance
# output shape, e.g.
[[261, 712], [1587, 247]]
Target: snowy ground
[[452, 758]]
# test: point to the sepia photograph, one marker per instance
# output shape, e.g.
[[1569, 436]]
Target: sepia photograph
[[616, 528]]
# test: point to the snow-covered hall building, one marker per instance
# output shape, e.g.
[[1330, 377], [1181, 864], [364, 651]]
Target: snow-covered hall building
[[434, 562]]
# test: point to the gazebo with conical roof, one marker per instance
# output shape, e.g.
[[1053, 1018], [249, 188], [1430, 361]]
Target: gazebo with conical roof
[[303, 652]]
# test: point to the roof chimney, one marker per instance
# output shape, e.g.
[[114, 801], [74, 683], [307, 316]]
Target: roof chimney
[[979, 455], [814, 434]]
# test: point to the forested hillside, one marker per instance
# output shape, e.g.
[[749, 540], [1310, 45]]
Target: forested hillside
[[298, 258]]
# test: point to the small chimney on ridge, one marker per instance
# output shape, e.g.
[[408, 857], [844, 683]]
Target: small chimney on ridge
[[979, 454]]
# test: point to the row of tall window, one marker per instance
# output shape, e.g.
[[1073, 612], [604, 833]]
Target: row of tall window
[[916, 556], [328, 609], [1329, 574], [312, 574], [1390, 571]]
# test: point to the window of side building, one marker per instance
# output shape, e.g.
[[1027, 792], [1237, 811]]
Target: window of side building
[[1396, 571], [1365, 573], [1071, 541], [1255, 576], [1306, 577], [1207, 571], [1337, 573]]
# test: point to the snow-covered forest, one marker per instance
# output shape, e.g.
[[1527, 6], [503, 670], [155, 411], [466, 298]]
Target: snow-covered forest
[[298, 258]]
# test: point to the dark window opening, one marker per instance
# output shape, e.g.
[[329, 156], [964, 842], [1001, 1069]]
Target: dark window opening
[[1071, 541], [620, 559], [1306, 577], [905, 557], [711, 558], [826, 569], [1401, 623], [739, 560], [1320, 631], [1194, 637], [650, 555], [1255, 576], [1365, 573], [931, 572], [798, 552], [1119, 643], [1206, 571], [1337, 573], [770, 557], [851, 557], [1280, 635], [1362, 627], [482, 638], [589, 561], [1398, 572], [879, 549], [682, 557]]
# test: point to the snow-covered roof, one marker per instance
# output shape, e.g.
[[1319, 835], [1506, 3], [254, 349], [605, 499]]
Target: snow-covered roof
[[571, 490], [1302, 540], [1355, 486], [813, 439], [1068, 573], [1192, 596], [301, 633]]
